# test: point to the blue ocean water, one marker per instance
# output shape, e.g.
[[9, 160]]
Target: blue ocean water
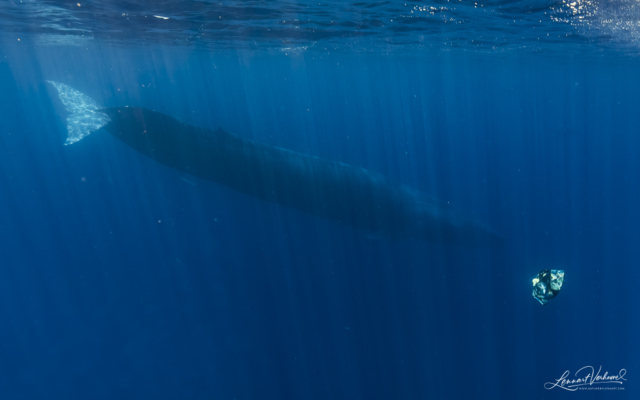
[[122, 278]]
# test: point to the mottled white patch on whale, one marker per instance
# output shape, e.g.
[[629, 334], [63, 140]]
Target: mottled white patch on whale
[[85, 117]]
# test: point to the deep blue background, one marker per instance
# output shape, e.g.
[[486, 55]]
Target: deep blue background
[[121, 278]]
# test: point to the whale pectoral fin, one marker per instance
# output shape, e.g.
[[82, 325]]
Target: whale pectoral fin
[[85, 117], [82, 124]]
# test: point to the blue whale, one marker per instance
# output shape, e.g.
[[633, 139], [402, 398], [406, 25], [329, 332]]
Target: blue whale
[[329, 189]]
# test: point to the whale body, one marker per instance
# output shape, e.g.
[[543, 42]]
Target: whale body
[[329, 189]]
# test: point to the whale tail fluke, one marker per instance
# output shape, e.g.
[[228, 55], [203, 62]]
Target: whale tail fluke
[[85, 117]]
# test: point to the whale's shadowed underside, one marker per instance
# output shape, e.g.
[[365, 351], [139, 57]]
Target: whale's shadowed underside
[[329, 189]]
